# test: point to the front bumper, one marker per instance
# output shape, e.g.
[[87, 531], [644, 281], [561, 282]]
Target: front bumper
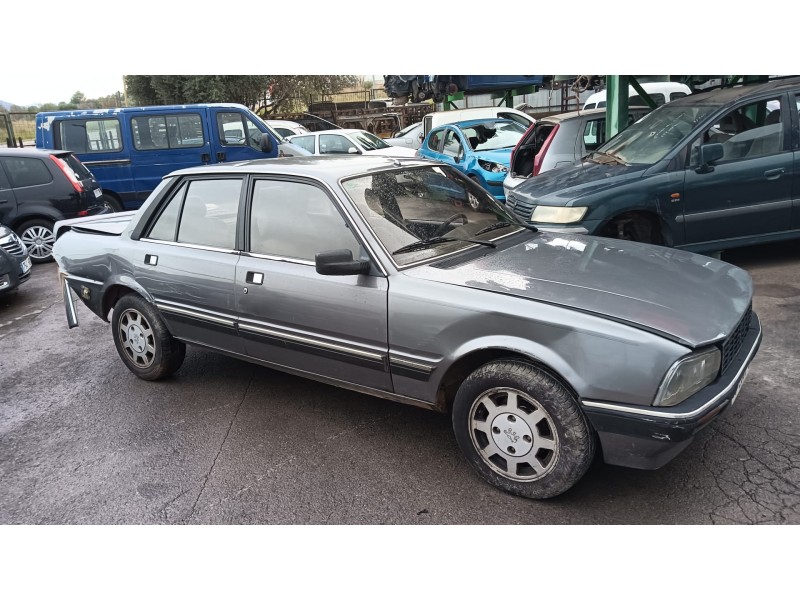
[[645, 437]]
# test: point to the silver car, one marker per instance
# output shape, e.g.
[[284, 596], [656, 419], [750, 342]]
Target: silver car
[[372, 274]]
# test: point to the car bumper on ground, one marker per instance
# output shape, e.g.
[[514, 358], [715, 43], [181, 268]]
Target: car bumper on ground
[[649, 437]]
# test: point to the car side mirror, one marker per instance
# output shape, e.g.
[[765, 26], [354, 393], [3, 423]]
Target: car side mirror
[[266, 143], [352, 150], [340, 262], [708, 154]]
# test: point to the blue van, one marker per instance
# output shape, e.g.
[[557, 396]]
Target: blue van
[[129, 150]]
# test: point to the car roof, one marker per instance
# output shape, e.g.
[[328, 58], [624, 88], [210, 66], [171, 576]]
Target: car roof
[[721, 97], [328, 167], [472, 122], [32, 152], [337, 130]]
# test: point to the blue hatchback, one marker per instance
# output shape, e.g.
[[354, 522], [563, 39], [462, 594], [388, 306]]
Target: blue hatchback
[[481, 149]]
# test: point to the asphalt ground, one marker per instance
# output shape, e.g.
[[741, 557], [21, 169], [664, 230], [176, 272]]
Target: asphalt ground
[[84, 441]]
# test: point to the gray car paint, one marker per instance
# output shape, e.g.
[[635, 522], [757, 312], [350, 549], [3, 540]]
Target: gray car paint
[[609, 320]]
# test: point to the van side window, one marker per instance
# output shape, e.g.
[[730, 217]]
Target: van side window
[[235, 130], [167, 131], [88, 135]]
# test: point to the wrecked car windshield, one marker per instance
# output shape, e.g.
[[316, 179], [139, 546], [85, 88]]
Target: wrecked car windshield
[[650, 139], [493, 135], [425, 212], [369, 141]]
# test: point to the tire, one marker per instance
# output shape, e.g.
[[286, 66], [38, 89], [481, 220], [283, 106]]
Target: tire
[[37, 235], [522, 430], [143, 342], [112, 203]]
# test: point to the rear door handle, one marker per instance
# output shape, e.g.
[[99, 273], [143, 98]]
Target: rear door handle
[[206, 158], [254, 278], [773, 174], [220, 157], [151, 259]]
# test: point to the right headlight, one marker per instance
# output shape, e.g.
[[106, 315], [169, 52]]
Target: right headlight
[[558, 214], [688, 376]]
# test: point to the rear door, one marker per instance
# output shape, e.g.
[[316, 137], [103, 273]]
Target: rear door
[[794, 103], [188, 261], [748, 192], [103, 146]]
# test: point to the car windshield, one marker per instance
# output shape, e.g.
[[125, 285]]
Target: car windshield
[[410, 129], [493, 135], [368, 141], [426, 212], [650, 139]]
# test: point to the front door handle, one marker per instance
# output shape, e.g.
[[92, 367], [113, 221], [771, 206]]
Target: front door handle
[[773, 174], [205, 157], [254, 278]]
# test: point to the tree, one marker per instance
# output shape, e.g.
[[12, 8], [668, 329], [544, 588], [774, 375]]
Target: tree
[[77, 98], [263, 93]]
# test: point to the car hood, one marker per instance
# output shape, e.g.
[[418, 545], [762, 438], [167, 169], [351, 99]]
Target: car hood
[[571, 182], [688, 298], [501, 155], [393, 151]]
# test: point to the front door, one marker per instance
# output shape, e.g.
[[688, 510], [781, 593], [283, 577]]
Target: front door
[[291, 316], [748, 191], [236, 136]]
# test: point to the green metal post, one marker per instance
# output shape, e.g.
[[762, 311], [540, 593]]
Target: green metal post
[[616, 104]]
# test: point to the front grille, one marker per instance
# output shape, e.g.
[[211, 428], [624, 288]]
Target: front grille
[[733, 343], [519, 206], [24, 276], [14, 247]]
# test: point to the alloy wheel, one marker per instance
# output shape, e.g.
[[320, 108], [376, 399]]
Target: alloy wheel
[[39, 240], [137, 338]]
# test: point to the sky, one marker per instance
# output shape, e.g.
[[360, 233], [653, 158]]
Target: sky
[[607, 43]]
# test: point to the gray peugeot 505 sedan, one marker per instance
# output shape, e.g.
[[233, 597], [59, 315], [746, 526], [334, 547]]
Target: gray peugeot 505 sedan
[[373, 274]]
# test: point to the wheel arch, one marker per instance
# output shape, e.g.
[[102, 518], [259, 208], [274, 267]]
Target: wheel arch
[[653, 216], [116, 290], [461, 368]]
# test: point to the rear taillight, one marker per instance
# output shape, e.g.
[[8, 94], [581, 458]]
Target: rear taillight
[[537, 160], [70, 174]]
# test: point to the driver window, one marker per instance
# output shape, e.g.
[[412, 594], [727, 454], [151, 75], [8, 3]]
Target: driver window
[[434, 141], [749, 131], [296, 220], [335, 144], [452, 145]]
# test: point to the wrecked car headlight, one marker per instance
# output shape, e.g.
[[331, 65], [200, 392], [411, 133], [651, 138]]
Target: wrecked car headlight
[[492, 166], [688, 376], [558, 214]]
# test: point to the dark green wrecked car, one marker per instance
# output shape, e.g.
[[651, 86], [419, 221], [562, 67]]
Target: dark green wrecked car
[[704, 173]]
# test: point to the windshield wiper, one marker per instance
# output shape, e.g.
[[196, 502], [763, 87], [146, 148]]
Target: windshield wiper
[[439, 240], [506, 224]]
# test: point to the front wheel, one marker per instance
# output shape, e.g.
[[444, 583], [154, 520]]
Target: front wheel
[[522, 430], [143, 342]]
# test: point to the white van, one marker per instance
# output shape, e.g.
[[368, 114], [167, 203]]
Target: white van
[[660, 91], [482, 112]]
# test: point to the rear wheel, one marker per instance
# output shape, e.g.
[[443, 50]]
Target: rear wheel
[[143, 342], [111, 203], [37, 235], [522, 430]]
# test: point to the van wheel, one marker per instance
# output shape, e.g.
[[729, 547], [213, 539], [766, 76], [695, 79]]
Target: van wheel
[[522, 430], [636, 228], [111, 203], [37, 235]]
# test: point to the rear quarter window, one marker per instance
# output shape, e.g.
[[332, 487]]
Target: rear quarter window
[[26, 172]]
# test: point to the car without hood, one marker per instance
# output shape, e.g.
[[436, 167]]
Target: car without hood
[[357, 271]]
